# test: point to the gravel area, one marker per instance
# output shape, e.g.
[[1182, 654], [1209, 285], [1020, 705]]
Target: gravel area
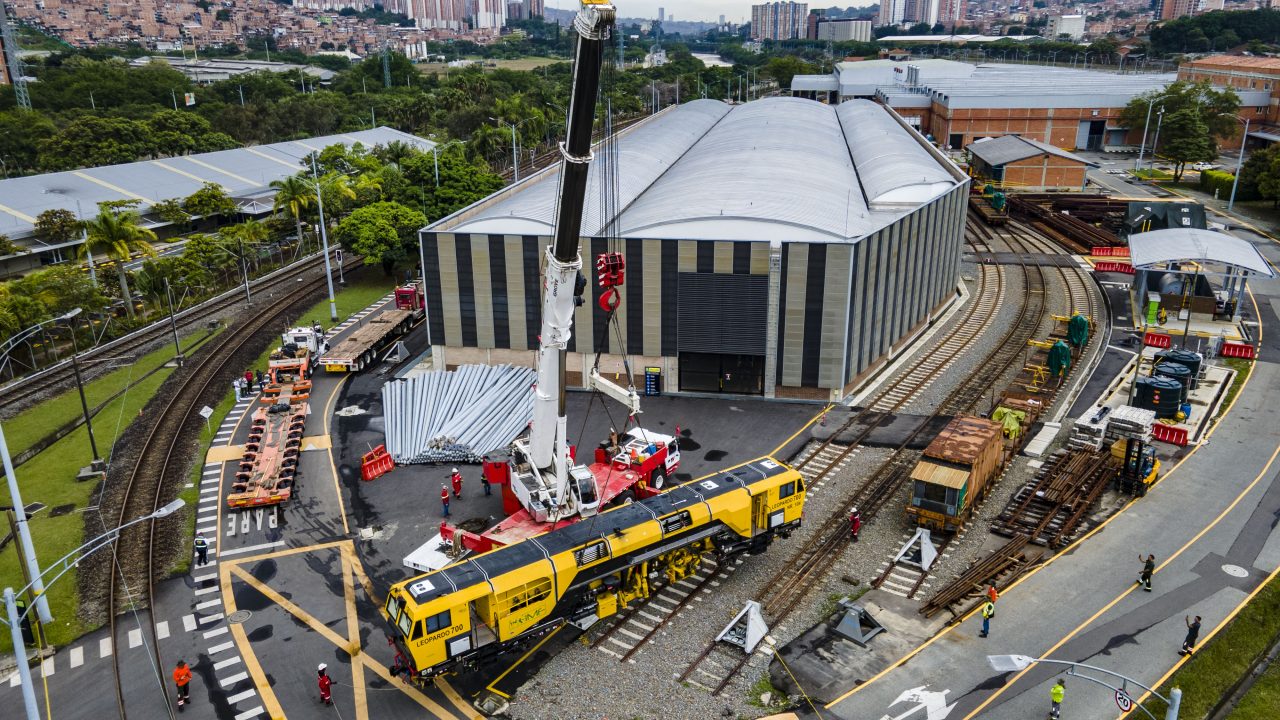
[[648, 687]]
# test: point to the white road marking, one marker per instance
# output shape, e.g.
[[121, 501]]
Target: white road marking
[[104, 647], [162, 629], [233, 699], [219, 648], [77, 657], [250, 713], [253, 548], [135, 637], [228, 682], [215, 633], [210, 618], [208, 604], [206, 591], [46, 667], [225, 663], [202, 578], [189, 622]]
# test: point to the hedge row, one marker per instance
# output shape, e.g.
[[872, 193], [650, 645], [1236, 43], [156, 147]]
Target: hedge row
[[1217, 180]]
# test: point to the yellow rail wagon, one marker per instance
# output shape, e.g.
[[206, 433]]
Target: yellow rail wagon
[[954, 473], [462, 616]]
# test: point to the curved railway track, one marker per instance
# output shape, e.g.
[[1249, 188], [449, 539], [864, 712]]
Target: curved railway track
[[21, 391], [159, 460]]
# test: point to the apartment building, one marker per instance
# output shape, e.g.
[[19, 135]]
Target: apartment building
[[778, 20]]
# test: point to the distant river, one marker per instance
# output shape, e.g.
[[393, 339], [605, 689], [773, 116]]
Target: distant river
[[712, 60]]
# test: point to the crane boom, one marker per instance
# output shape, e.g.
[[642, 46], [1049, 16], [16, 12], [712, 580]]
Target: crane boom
[[548, 444]]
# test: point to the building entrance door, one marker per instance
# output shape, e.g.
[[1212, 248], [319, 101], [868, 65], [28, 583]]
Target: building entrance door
[[720, 373]]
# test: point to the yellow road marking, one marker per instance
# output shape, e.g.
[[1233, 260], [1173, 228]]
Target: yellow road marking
[[523, 657], [459, 702], [417, 695], [333, 467], [317, 442], [1062, 553], [183, 173], [287, 552], [804, 427], [215, 168], [1220, 626], [224, 453], [17, 214], [273, 158], [353, 636], [289, 607], [113, 188], [251, 663]]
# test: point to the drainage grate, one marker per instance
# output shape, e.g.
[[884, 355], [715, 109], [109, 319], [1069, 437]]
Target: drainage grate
[[239, 616], [33, 508], [60, 510]]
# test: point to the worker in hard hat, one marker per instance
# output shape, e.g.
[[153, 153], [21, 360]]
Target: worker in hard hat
[[456, 479], [325, 683]]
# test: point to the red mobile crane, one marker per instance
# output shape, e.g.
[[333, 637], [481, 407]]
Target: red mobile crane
[[543, 486]]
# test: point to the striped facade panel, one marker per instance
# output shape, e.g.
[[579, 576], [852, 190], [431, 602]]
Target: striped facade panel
[[433, 295], [871, 307], [759, 253], [670, 294], [482, 290], [852, 327], [513, 269], [815, 289], [792, 313], [912, 270], [634, 294], [647, 294], [450, 300], [533, 249], [722, 258], [835, 309]]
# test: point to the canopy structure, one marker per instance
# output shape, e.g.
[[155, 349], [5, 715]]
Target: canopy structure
[[1158, 248], [1159, 257]]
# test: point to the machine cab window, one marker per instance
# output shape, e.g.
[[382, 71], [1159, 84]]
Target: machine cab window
[[786, 490]]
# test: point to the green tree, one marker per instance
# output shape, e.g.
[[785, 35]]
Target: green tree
[[1263, 168], [8, 246], [209, 201], [21, 134], [1200, 107], [171, 211], [293, 195], [90, 141], [118, 235], [382, 232], [56, 226], [782, 69], [177, 132]]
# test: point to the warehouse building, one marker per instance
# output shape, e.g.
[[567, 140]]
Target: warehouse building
[[1027, 164], [782, 248]]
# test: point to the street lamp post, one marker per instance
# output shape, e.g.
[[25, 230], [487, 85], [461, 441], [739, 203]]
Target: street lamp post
[[515, 146], [75, 368], [36, 586], [1155, 141], [1018, 663], [1239, 163], [324, 241], [1146, 125]]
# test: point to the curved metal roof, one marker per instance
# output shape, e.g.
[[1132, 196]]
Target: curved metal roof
[[773, 163], [644, 153], [773, 169], [1154, 249], [892, 165]]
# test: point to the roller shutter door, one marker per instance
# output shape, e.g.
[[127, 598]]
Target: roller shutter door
[[723, 314]]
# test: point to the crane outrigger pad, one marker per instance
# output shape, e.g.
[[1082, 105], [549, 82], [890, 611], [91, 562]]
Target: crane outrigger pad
[[747, 628]]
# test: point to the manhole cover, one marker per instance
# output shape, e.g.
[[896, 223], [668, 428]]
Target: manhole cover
[[60, 510], [1235, 571], [239, 616], [350, 411]]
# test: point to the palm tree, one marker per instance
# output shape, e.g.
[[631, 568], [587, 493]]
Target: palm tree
[[295, 195], [396, 151], [118, 235], [336, 190]]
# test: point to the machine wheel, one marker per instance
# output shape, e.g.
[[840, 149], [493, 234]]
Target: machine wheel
[[626, 497], [658, 479]]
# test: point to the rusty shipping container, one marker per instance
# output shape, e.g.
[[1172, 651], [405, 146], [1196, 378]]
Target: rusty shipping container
[[954, 472]]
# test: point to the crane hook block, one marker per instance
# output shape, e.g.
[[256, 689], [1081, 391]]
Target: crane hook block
[[609, 300], [610, 269]]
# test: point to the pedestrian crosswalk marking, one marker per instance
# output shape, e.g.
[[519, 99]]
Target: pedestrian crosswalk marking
[[206, 591], [104, 647], [135, 637], [188, 622], [233, 699], [208, 604], [232, 680], [205, 578], [210, 619], [226, 663], [215, 633], [255, 712], [14, 680], [77, 657], [162, 629], [46, 667], [219, 648]]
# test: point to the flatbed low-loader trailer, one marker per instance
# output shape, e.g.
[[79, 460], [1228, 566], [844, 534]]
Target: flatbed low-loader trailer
[[360, 349]]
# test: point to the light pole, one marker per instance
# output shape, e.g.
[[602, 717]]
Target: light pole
[[75, 367], [173, 321], [1155, 142], [515, 145], [426, 308], [36, 587], [1145, 125], [1018, 663], [324, 241], [1239, 163], [435, 157]]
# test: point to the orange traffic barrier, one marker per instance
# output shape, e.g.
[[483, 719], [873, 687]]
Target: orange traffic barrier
[[1238, 350], [1156, 340], [376, 463], [1171, 434]]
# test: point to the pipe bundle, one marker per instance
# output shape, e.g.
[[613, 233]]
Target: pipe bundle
[[456, 416]]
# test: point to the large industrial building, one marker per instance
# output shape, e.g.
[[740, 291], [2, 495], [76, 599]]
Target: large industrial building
[[956, 103], [782, 248]]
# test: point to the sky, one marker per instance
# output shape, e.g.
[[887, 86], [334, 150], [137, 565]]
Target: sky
[[707, 10]]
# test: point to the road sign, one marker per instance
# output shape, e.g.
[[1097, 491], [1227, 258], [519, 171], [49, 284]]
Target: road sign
[[1123, 701], [206, 412]]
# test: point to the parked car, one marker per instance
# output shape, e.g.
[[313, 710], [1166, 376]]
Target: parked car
[[1204, 166]]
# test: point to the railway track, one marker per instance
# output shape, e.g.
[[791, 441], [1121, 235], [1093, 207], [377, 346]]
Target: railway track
[[160, 469], [20, 392]]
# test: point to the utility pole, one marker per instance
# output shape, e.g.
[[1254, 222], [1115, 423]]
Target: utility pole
[[241, 88], [17, 74], [324, 242], [173, 324]]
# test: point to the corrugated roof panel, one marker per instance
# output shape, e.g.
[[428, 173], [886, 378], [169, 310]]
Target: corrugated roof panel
[[1157, 247], [891, 164]]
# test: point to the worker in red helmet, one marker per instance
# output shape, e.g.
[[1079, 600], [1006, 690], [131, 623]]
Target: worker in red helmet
[[855, 524], [444, 499], [456, 479]]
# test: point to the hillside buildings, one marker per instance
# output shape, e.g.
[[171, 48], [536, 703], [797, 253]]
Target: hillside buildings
[[778, 21]]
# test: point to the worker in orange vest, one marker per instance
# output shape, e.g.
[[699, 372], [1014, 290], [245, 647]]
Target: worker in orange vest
[[456, 479], [182, 678], [444, 499]]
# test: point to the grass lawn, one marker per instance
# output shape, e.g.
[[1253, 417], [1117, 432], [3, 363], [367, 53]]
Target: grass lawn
[[1152, 174], [50, 478], [25, 429], [525, 63], [1225, 658], [1243, 368], [1263, 698]]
